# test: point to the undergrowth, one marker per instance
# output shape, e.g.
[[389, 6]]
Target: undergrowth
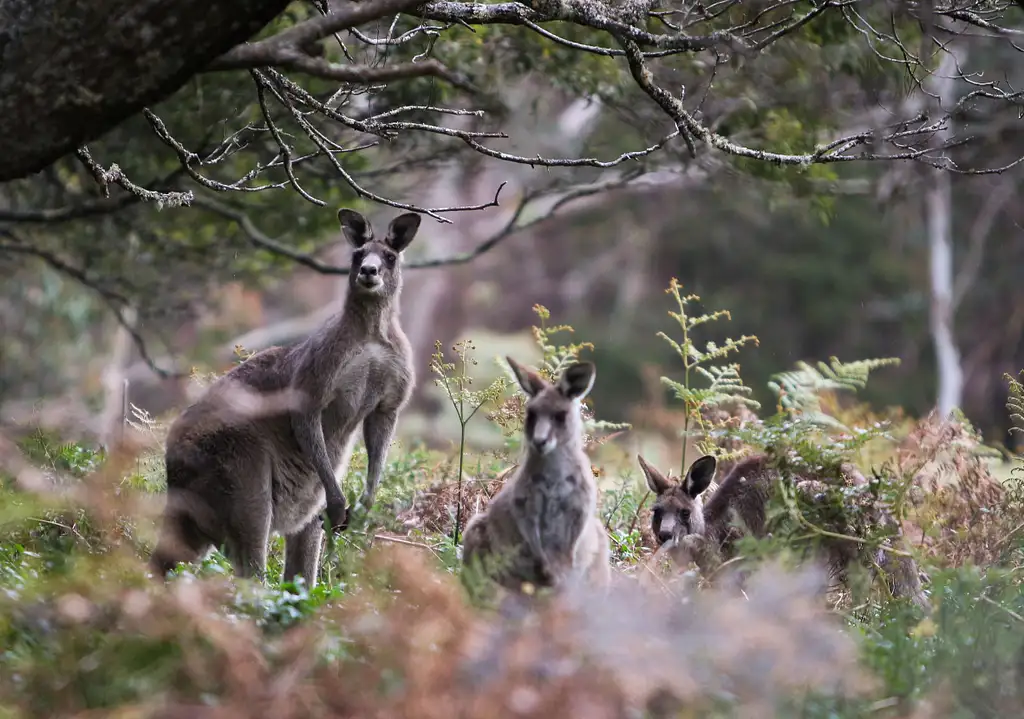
[[389, 630]]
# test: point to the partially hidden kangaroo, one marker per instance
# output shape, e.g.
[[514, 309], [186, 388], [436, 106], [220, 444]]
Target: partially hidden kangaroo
[[707, 531], [234, 477], [542, 527]]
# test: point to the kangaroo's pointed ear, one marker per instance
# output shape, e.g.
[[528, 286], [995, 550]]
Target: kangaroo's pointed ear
[[401, 231], [699, 475], [355, 227], [655, 479], [530, 381], [577, 380]]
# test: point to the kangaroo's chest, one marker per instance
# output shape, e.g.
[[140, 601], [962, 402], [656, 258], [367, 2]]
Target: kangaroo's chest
[[560, 505], [376, 376]]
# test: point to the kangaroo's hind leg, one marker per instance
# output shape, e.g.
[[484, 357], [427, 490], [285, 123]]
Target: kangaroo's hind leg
[[378, 431], [248, 519], [302, 552]]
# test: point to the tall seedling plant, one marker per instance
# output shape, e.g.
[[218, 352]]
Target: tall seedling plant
[[724, 384], [454, 378]]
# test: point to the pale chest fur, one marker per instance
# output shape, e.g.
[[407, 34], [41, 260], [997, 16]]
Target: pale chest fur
[[374, 376], [559, 500]]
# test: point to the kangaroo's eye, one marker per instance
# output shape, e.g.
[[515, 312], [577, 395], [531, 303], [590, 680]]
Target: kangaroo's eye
[[390, 258], [358, 255], [559, 417]]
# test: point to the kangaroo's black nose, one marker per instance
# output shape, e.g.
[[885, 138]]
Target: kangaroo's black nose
[[369, 270], [664, 537]]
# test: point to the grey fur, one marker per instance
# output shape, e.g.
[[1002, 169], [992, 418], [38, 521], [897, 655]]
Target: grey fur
[[235, 477], [542, 526], [706, 532]]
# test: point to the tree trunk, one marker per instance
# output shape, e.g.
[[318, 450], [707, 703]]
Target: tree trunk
[[70, 71], [939, 221]]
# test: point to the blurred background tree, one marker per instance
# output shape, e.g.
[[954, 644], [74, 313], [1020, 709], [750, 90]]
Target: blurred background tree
[[839, 175]]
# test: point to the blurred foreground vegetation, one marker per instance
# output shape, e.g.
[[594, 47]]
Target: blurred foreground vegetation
[[389, 631]]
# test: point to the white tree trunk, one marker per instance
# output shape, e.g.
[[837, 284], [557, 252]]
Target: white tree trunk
[[939, 222]]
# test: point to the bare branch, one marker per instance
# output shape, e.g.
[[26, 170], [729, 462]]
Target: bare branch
[[320, 141], [836, 151], [512, 228], [115, 176], [286, 151], [259, 239], [292, 42], [69, 213], [290, 58], [581, 12], [113, 299]]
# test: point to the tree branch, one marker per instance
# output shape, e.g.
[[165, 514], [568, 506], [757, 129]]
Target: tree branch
[[259, 239], [115, 176], [832, 152], [114, 300], [295, 59], [255, 54], [581, 12]]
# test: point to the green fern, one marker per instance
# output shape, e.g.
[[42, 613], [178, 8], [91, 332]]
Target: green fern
[[801, 431], [554, 357], [799, 390], [725, 386], [554, 360], [1015, 405]]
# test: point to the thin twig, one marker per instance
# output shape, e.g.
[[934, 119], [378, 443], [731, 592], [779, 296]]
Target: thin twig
[[113, 299]]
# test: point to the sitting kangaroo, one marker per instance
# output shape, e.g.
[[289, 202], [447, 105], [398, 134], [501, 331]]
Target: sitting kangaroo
[[707, 532], [542, 526], [234, 478]]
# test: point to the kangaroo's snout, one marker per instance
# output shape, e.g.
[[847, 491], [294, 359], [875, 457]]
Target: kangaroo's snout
[[666, 530], [542, 436], [369, 272], [370, 266]]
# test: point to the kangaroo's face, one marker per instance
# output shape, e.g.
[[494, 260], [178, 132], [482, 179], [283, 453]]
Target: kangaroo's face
[[678, 509], [553, 410], [376, 264]]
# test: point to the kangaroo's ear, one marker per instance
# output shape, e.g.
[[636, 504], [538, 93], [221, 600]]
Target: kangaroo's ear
[[401, 231], [655, 479], [699, 475], [577, 380], [355, 227], [530, 381]]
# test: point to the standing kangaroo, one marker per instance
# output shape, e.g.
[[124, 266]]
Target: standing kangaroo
[[233, 478], [739, 506], [542, 526]]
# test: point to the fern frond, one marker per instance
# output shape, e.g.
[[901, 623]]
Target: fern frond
[[1015, 402], [799, 390], [726, 386]]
